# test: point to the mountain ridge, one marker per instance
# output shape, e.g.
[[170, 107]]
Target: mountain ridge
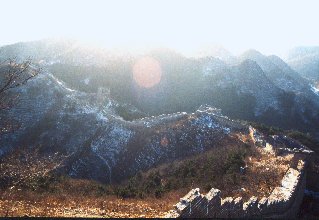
[[208, 77]]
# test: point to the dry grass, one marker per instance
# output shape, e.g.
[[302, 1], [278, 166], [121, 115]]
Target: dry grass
[[26, 203], [80, 198], [264, 173]]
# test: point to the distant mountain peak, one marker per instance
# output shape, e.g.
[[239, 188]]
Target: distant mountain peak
[[250, 65], [251, 53], [217, 51]]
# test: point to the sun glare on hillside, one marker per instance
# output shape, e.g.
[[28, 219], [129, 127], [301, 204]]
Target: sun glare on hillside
[[147, 72]]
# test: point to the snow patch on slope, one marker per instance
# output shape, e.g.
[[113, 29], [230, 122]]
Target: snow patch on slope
[[315, 90]]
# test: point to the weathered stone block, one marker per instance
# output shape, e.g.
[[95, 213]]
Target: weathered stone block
[[250, 207], [188, 204], [226, 207], [213, 202], [196, 206], [181, 207], [277, 201], [201, 207], [262, 206], [291, 179], [237, 209]]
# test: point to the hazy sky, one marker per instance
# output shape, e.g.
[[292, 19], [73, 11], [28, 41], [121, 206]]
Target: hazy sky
[[271, 26]]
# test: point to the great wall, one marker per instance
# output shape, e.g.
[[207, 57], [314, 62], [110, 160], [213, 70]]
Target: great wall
[[283, 202], [203, 110]]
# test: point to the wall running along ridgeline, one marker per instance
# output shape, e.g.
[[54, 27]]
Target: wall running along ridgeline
[[283, 202]]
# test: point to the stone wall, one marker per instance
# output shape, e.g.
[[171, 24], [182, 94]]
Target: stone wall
[[277, 144], [283, 202]]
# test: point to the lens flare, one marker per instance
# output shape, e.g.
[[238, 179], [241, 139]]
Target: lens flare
[[164, 142], [147, 72]]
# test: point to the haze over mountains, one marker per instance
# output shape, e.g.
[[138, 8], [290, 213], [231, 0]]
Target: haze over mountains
[[88, 104]]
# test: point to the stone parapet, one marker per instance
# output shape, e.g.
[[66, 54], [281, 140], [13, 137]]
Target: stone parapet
[[283, 202]]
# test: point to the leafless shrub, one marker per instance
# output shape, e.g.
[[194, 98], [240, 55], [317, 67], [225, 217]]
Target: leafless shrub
[[27, 168], [12, 75]]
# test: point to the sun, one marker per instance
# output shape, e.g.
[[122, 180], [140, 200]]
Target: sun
[[147, 72]]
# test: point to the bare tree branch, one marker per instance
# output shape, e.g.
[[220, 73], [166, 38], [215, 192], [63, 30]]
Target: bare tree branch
[[14, 74]]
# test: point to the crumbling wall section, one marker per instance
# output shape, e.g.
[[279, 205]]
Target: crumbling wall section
[[283, 202]]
